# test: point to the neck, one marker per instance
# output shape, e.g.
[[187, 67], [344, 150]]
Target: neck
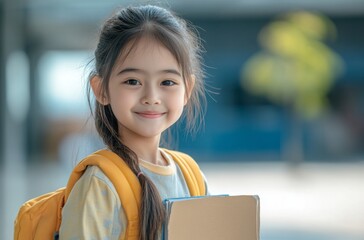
[[147, 149]]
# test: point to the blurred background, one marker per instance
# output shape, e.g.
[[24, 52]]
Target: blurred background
[[285, 116]]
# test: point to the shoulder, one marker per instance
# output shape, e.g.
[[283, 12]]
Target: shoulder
[[94, 181], [183, 160], [95, 173], [176, 155], [93, 209], [191, 172]]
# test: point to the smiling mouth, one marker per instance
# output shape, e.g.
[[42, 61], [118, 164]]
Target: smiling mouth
[[150, 115]]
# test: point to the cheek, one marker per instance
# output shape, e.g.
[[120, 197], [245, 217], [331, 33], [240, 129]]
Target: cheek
[[179, 99], [121, 97], [120, 104], [174, 101], [179, 104]]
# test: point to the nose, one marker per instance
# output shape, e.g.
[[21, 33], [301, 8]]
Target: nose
[[150, 96]]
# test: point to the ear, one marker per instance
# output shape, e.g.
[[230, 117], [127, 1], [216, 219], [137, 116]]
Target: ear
[[95, 83], [190, 84]]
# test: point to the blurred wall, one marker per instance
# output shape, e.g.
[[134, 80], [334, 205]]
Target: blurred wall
[[239, 124]]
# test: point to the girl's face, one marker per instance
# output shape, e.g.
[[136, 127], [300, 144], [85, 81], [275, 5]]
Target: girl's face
[[146, 91]]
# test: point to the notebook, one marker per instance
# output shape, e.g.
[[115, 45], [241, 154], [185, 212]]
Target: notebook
[[213, 218]]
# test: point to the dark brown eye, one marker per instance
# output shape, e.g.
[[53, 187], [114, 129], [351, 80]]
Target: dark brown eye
[[168, 83], [132, 82]]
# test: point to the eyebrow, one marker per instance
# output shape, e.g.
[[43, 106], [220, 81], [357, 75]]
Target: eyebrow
[[172, 71]]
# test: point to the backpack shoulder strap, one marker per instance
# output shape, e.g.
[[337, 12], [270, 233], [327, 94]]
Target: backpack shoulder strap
[[126, 184], [191, 172]]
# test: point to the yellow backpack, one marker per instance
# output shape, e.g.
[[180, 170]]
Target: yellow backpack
[[40, 218]]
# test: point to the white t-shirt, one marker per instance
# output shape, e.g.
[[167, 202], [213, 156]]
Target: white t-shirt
[[93, 209]]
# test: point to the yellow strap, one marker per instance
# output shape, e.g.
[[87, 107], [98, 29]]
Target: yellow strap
[[126, 184], [191, 172]]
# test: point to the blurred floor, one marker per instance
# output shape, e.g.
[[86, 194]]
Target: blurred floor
[[314, 201], [317, 201]]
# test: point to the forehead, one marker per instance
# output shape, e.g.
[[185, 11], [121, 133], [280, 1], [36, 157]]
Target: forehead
[[148, 53]]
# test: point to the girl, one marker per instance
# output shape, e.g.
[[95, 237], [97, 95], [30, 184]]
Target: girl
[[147, 74]]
